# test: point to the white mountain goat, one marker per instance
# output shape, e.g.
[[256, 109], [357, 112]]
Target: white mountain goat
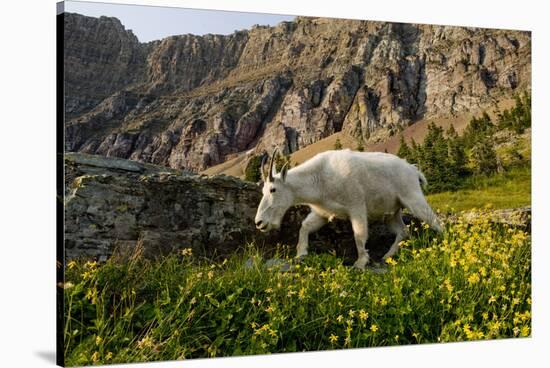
[[359, 186]]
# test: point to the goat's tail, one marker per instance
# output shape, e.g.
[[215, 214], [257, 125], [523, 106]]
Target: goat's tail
[[421, 177]]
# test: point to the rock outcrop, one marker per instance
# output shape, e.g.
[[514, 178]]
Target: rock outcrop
[[194, 101], [119, 206]]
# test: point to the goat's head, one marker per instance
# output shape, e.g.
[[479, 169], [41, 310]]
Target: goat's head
[[277, 196]]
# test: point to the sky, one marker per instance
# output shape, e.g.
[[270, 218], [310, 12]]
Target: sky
[[150, 23]]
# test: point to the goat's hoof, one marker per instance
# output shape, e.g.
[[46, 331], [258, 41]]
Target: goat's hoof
[[360, 265], [377, 268], [300, 257]]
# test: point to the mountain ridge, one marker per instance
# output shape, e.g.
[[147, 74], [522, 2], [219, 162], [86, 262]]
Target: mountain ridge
[[192, 102]]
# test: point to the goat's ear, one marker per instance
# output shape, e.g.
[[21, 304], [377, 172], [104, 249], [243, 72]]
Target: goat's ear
[[284, 171]]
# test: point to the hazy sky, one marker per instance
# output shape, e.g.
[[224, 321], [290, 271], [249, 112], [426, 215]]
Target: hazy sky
[[153, 23]]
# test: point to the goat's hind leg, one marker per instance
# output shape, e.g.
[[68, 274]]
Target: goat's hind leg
[[311, 223], [420, 209], [360, 232], [397, 226]]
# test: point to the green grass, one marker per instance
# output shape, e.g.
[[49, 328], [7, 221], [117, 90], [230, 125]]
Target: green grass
[[511, 189], [472, 282]]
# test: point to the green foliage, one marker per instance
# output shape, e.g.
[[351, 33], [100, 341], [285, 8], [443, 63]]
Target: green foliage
[[457, 159], [360, 145], [447, 159], [338, 144], [517, 118], [511, 189], [483, 157], [404, 151], [477, 129], [252, 172], [441, 159], [438, 289]]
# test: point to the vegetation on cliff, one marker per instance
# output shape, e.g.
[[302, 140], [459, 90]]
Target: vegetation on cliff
[[447, 159]]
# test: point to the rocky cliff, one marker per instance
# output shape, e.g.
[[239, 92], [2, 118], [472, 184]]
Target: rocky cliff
[[194, 101]]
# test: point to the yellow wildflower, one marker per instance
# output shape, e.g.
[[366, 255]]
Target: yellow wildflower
[[91, 264], [448, 285], [95, 356], [146, 342], [363, 315], [333, 338], [525, 331], [390, 261], [373, 327], [473, 278], [98, 340]]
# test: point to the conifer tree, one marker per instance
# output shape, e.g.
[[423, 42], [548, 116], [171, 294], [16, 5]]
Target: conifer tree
[[457, 153], [252, 172], [484, 157], [404, 151]]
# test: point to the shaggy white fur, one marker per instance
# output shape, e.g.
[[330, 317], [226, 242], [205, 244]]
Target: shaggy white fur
[[359, 186]]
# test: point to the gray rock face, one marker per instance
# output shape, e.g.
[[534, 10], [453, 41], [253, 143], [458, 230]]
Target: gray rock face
[[101, 58], [194, 101]]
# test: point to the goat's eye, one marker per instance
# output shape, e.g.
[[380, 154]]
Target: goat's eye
[[272, 190]]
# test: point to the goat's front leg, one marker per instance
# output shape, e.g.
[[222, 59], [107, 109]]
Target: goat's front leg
[[360, 232], [311, 223]]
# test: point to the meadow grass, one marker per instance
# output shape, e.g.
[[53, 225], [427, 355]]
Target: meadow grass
[[472, 282], [511, 189]]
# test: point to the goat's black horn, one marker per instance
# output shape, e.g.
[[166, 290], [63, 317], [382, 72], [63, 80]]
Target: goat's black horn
[[271, 162], [262, 166]]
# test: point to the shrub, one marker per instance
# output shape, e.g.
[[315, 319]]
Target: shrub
[[252, 172]]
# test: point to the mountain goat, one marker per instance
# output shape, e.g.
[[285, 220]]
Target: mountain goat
[[359, 186]]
